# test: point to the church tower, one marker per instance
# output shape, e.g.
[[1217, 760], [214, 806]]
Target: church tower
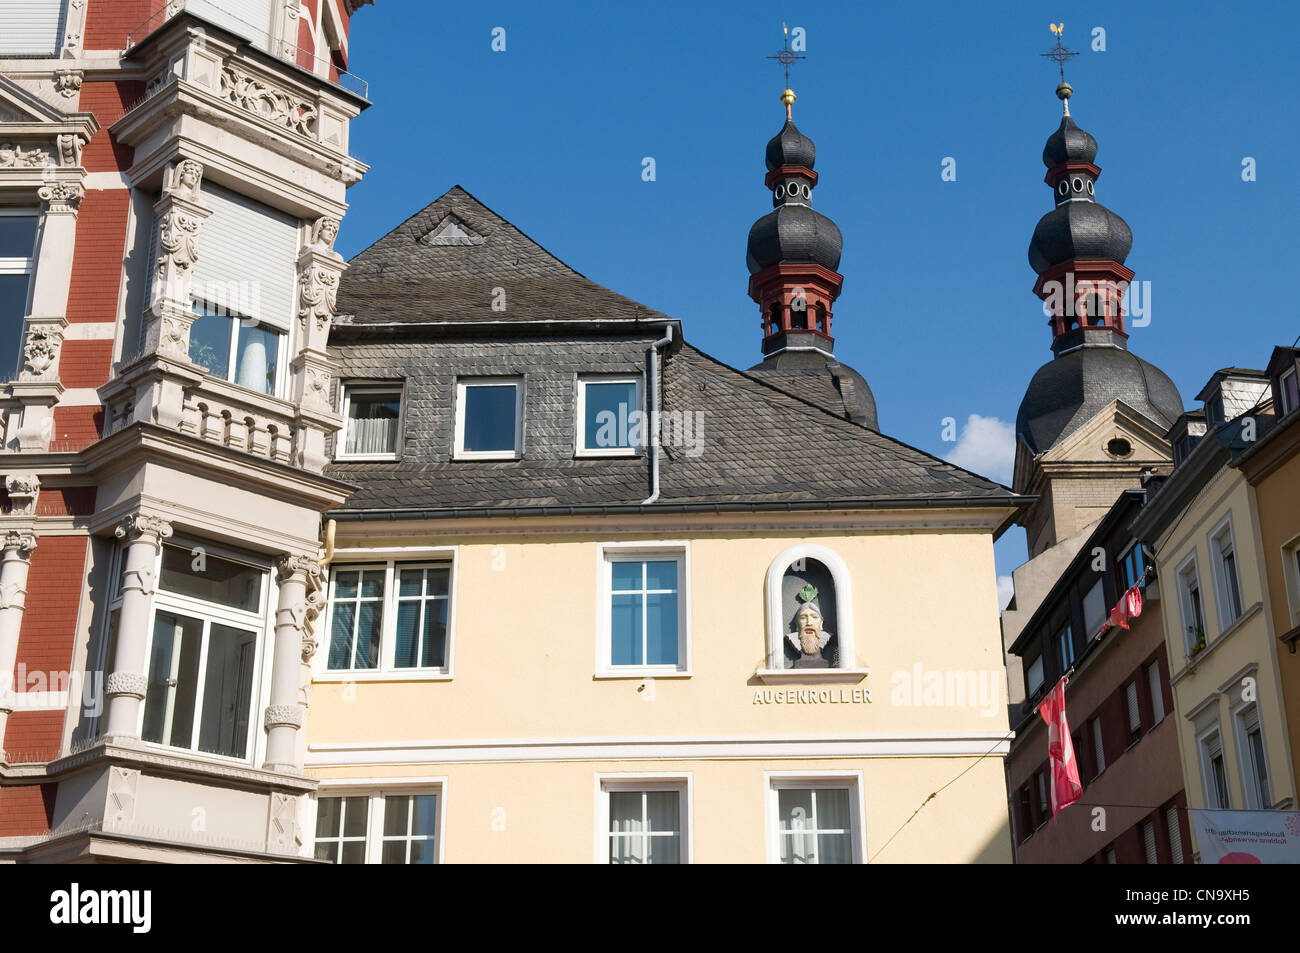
[[793, 256], [1095, 416]]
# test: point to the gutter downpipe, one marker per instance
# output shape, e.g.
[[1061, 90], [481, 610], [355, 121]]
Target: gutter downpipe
[[652, 355]]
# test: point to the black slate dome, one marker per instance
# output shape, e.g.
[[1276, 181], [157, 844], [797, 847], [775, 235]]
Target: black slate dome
[[790, 147], [1071, 389], [1084, 230], [1069, 144], [793, 233]]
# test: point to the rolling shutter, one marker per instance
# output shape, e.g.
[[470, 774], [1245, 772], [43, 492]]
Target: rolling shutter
[[31, 27], [1131, 699], [248, 257], [250, 19], [1175, 835], [1149, 842]]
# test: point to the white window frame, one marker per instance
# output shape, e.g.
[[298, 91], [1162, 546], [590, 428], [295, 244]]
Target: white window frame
[[1030, 687], [1089, 630], [775, 781], [1222, 600], [580, 415], [776, 622], [606, 555], [1190, 567], [1291, 573], [348, 391], [1255, 798], [460, 453], [376, 789], [1098, 747], [1206, 743], [237, 321], [1157, 692], [1282, 381], [390, 562], [261, 622], [681, 782], [21, 266]]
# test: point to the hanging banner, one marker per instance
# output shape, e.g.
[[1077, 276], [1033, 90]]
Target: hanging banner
[[1247, 837]]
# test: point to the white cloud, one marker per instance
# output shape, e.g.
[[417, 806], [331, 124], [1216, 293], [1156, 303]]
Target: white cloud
[[986, 446], [1005, 591]]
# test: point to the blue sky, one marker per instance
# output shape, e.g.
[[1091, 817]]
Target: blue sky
[[937, 309]]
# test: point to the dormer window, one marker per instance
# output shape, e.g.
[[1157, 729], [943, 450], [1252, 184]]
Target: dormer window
[[609, 415], [489, 418], [371, 422], [1290, 388]]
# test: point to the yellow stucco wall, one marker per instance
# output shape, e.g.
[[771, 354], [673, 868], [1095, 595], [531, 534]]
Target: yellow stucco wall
[[1205, 686], [525, 649]]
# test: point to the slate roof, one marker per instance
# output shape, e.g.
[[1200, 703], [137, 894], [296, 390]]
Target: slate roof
[[401, 278], [761, 445]]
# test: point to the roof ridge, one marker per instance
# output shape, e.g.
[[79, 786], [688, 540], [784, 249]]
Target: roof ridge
[[843, 420]]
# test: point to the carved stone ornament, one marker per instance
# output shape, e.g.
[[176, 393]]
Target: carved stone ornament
[[122, 786], [40, 351], [62, 196], [143, 526], [289, 564], [173, 337], [14, 156], [185, 180], [262, 99], [282, 831], [24, 544], [126, 683], [319, 289], [314, 607], [809, 637], [323, 232], [70, 147], [316, 392], [22, 489], [68, 81], [12, 596], [179, 239], [291, 716]]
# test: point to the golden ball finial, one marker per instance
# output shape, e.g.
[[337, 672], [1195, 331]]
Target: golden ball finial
[[1064, 91], [788, 97]]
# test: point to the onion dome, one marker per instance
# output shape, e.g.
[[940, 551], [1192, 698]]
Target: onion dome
[[794, 233], [1069, 144], [790, 147]]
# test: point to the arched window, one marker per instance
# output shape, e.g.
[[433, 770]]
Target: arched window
[[821, 318], [774, 316], [809, 613]]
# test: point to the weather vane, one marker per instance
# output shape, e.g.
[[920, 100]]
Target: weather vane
[[785, 57], [1061, 56]]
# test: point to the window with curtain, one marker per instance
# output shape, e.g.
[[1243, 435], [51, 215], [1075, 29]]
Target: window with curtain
[[1229, 585], [1216, 774], [645, 826], [372, 416], [17, 255], [815, 825], [378, 827], [209, 619], [390, 617]]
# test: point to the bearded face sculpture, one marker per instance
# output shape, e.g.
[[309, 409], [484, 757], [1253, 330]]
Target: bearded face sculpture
[[809, 637]]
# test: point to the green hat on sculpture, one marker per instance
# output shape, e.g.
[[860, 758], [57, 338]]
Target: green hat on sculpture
[[808, 593]]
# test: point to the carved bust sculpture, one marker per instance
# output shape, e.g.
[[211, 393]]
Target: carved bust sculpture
[[809, 637]]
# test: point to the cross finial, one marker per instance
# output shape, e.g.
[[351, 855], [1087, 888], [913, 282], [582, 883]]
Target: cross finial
[[1061, 56], [785, 57]]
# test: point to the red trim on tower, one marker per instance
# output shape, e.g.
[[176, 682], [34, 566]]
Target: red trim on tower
[[781, 172], [1056, 172]]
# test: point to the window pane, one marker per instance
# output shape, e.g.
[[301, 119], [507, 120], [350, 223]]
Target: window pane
[[173, 679], [834, 849], [372, 423], [258, 355], [624, 812], [210, 344], [227, 691], [423, 852], [794, 809], [661, 574], [396, 809], [408, 617], [662, 810], [436, 581], [435, 633], [372, 584], [625, 630], [328, 816], [665, 850], [394, 852], [490, 417], [411, 582], [833, 809], [341, 636], [354, 816], [345, 583], [607, 409], [625, 576], [424, 818], [661, 629], [369, 621], [627, 850], [13, 314], [354, 852], [17, 236], [798, 848], [210, 578]]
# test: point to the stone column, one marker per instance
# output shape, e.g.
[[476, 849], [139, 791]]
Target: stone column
[[126, 682], [16, 561], [296, 574]]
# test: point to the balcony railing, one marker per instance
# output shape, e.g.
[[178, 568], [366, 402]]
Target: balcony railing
[[282, 49]]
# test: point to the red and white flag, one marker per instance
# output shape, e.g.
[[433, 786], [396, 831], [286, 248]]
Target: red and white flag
[[1128, 607], [1066, 786]]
